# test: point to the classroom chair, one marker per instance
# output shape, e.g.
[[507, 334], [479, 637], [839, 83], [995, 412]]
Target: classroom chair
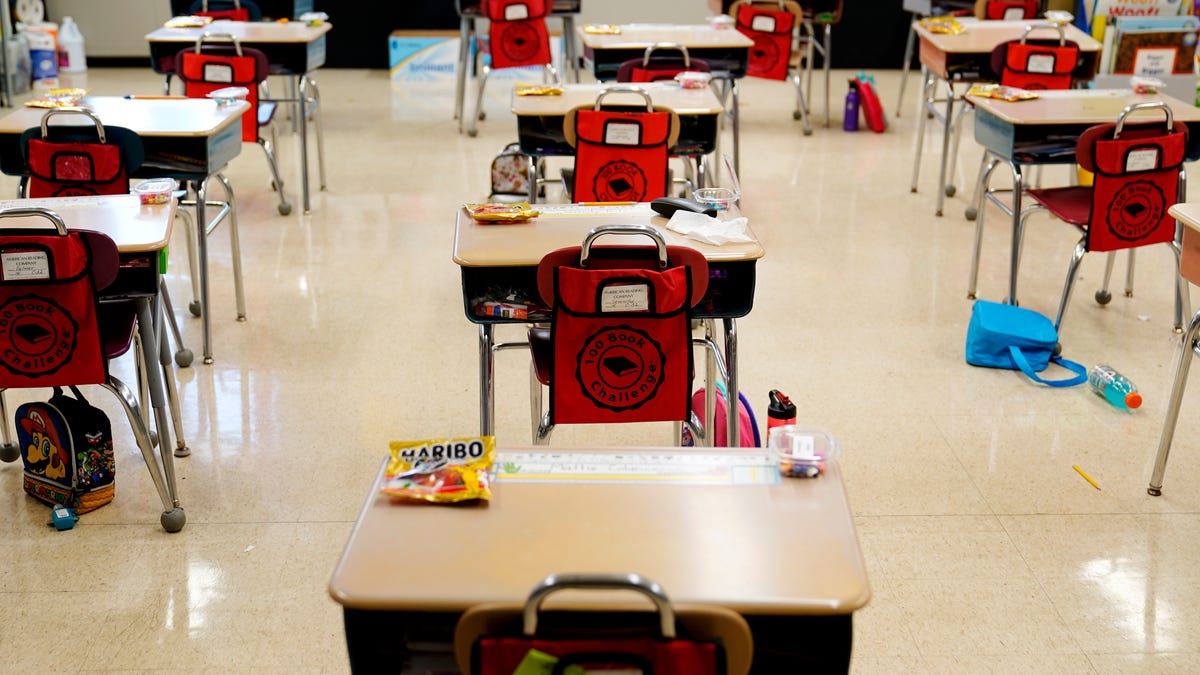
[[86, 160], [230, 10], [219, 61], [1038, 64], [493, 638], [78, 265], [1189, 272], [517, 38], [621, 152], [619, 345], [776, 54], [1138, 175]]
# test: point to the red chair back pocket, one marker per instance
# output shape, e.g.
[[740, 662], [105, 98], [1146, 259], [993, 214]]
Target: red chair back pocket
[[1011, 9], [206, 72], [1137, 180], [73, 169], [517, 33], [771, 30], [621, 156], [1039, 65]]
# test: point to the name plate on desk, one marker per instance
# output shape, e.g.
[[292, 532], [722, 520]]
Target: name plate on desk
[[665, 468]]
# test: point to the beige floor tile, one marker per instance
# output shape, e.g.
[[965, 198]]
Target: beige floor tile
[[1129, 615], [1146, 663]]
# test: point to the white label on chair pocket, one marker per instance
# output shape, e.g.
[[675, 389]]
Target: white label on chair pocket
[[218, 72], [765, 24], [25, 265], [1142, 160], [622, 133], [516, 12], [628, 298], [1014, 14], [1040, 63]]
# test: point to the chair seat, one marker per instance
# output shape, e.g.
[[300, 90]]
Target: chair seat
[[539, 348], [117, 321], [1069, 204], [266, 111]]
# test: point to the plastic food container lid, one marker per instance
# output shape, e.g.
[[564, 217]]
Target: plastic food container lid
[[691, 79], [802, 451], [227, 95], [717, 198], [155, 190]]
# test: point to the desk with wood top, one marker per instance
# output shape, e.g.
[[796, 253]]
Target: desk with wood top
[[188, 139], [966, 58], [140, 234], [293, 48], [540, 118], [783, 553], [1044, 131], [492, 257], [727, 52]]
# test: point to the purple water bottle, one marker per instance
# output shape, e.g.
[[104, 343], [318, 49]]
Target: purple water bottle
[[850, 119]]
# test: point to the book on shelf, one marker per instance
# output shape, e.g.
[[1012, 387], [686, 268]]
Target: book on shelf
[[1152, 46]]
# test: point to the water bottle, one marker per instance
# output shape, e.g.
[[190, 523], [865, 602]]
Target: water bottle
[[1114, 387], [780, 411], [850, 118], [71, 57]]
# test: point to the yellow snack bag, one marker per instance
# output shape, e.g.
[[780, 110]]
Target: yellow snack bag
[[441, 470]]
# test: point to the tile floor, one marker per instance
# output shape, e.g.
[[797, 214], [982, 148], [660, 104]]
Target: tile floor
[[986, 551]]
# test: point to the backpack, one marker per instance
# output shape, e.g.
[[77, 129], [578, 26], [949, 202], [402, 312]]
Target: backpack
[[67, 449], [748, 435], [1016, 338], [510, 172]]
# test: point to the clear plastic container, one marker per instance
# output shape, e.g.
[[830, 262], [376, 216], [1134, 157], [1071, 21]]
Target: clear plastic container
[[691, 79], [228, 95], [156, 190], [802, 452], [718, 198]]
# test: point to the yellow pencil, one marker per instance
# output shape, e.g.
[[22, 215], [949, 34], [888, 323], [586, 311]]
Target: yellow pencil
[[1086, 477]]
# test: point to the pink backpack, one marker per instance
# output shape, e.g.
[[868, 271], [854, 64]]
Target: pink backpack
[[747, 426]]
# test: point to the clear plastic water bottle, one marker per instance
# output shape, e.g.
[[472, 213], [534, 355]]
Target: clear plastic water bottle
[[1114, 387]]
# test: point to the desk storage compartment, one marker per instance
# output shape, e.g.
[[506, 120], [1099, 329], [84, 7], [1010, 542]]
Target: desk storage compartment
[[136, 276], [730, 292], [722, 60], [502, 295]]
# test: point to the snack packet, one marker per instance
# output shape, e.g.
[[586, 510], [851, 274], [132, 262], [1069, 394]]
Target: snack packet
[[441, 470], [601, 29], [522, 89], [1001, 92], [58, 98], [188, 21], [502, 213], [942, 24]]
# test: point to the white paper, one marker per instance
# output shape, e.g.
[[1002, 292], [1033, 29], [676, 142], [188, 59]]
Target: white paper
[[1040, 63], [622, 133], [516, 12], [218, 72], [762, 23], [25, 265], [625, 298], [1142, 160], [709, 230]]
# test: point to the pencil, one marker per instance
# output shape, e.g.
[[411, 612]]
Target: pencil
[[606, 203], [1086, 477]]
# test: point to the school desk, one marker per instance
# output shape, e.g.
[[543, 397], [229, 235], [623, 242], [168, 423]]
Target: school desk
[[921, 9], [140, 233], [1044, 131], [727, 52], [506, 257], [780, 551], [294, 49], [965, 58], [188, 139], [540, 119], [469, 13], [1187, 215]]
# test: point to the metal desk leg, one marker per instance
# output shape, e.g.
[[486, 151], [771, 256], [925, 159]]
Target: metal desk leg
[[158, 399], [487, 380], [731, 388], [947, 131], [927, 84], [568, 37], [460, 77], [300, 104], [734, 120], [202, 255], [710, 388], [908, 52], [1015, 260], [827, 58], [1186, 351]]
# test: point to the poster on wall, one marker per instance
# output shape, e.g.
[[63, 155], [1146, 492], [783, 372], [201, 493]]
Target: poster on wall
[[1094, 8]]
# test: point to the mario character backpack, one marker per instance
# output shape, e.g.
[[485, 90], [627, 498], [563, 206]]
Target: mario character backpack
[[67, 449]]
